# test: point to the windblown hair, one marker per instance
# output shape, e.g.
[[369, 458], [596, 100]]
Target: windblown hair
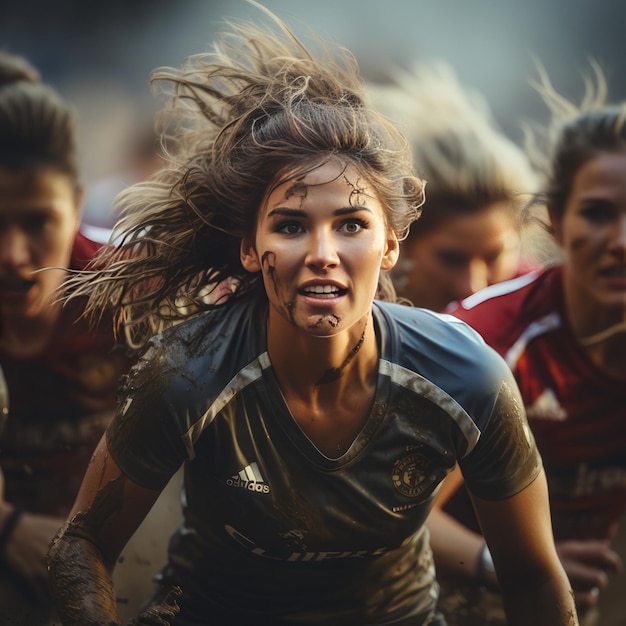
[[466, 160], [575, 134], [37, 127], [255, 111]]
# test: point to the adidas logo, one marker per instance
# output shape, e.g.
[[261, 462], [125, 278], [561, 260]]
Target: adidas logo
[[249, 478]]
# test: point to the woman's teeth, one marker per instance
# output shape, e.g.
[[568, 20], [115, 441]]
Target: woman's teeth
[[321, 291]]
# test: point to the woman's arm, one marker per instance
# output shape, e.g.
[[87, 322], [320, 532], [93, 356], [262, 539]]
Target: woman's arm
[[24, 541], [518, 531], [456, 548], [108, 509]]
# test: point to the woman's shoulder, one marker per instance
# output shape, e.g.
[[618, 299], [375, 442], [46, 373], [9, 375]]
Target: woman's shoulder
[[432, 342], [423, 349], [423, 325], [84, 250], [217, 341], [525, 294], [503, 311]]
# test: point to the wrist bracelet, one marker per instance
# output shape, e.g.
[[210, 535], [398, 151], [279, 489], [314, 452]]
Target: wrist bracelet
[[10, 522]]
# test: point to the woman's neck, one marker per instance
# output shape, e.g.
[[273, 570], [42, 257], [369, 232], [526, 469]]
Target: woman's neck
[[309, 366], [328, 383], [599, 330]]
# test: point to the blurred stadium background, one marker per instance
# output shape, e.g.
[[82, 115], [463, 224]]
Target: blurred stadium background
[[100, 54]]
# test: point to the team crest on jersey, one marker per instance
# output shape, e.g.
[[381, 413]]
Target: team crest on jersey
[[409, 475]]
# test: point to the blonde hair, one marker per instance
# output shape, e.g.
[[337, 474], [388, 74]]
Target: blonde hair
[[466, 160], [458, 149], [575, 134]]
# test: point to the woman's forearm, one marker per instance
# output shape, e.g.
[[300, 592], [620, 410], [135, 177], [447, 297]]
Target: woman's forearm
[[80, 583], [548, 604], [456, 548]]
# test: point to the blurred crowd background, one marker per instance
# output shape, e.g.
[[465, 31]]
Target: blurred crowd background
[[101, 54]]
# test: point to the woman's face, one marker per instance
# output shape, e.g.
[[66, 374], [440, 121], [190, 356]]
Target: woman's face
[[457, 258], [320, 243], [39, 218], [592, 232]]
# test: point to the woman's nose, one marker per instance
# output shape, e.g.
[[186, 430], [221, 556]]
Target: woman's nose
[[322, 250], [474, 279], [13, 248]]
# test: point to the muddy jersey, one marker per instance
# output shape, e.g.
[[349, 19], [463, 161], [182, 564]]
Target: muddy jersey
[[61, 401], [576, 411], [275, 531]]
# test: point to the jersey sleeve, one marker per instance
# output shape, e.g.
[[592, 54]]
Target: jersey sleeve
[[144, 438], [506, 459]]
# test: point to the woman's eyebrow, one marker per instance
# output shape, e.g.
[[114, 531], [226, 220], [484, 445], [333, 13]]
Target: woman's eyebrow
[[279, 211], [286, 212]]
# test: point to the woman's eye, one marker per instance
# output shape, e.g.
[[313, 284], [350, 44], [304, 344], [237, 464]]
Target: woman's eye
[[600, 213], [353, 226], [290, 228], [34, 224], [452, 259], [494, 257]]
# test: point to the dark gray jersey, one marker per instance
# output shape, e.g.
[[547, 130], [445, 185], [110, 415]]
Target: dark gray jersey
[[276, 532]]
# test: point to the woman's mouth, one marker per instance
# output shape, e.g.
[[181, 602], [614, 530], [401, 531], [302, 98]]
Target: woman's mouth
[[322, 291], [15, 285], [618, 271], [614, 277]]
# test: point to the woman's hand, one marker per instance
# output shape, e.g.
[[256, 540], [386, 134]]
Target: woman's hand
[[587, 565], [27, 547], [161, 613]]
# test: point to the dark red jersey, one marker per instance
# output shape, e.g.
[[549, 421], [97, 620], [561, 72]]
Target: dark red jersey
[[61, 400], [577, 411]]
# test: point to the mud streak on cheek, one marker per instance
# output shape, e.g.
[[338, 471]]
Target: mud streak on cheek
[[268, 262]]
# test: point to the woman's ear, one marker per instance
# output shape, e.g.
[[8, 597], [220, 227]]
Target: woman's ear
[[248, 256], [390, 257]]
